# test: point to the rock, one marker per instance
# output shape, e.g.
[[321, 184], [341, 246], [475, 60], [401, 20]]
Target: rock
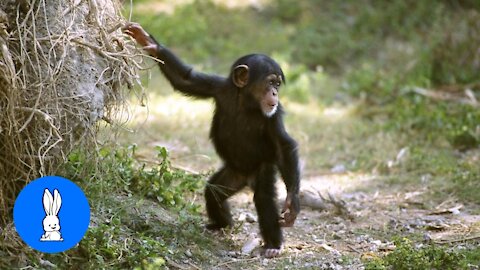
[[339, 168], [252, 242], [247, 217], [251, 218]]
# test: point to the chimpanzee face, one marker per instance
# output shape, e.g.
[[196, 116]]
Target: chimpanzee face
[[267, 94], [262, 77]]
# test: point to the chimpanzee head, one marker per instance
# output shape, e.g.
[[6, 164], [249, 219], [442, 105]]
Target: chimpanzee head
[[260, 77]]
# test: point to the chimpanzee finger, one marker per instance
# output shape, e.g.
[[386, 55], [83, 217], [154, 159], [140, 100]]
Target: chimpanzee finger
[[285, 223], [288, 220], [129, 25]]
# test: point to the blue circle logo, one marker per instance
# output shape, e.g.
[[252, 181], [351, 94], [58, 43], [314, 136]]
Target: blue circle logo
[[51, 214]]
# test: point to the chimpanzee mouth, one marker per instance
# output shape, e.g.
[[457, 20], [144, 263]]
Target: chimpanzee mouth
[[271, 112]]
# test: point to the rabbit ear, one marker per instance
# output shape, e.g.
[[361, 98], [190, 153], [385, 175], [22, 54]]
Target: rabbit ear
[[47, 201], [57, 202]]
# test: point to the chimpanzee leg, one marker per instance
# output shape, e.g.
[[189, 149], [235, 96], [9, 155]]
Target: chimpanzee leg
[[220, 187], [267, 211]]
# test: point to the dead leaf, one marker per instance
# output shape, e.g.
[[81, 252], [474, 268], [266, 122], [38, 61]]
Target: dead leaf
[[410, 195], [329, 248], [369, 256], [453, 210], [437, 226]]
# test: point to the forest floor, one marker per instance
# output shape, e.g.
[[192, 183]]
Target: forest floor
[[332, 240], [370, 208]]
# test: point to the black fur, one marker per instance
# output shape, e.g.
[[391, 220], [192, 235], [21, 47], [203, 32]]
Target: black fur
[[252, 145]]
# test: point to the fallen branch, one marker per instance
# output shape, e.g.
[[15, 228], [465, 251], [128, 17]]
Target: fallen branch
[[236, 261], [467, 98], [354, 249], [451, 241], [316, 201], [312, 200]]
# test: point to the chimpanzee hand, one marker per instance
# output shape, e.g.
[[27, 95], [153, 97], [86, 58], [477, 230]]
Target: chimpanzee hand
[[290, 210], [142, 37]]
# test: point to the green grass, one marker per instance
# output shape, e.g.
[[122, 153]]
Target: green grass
[[408, 257], [141, 215]]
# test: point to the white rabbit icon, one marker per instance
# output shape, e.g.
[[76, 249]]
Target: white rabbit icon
[[51, 223]]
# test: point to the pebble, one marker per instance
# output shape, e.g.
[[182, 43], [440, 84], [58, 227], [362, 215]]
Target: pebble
[[250, 218]]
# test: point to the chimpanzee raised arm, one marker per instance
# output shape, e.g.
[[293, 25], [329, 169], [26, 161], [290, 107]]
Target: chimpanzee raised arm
[[247, 132], [181, 76]]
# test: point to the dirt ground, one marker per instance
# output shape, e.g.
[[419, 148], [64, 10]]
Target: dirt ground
[[333, 238]]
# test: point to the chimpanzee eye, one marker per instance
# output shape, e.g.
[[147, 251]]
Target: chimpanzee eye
[[274, 83]]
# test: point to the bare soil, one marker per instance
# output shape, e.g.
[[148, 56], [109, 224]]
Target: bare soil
[[327, 239]]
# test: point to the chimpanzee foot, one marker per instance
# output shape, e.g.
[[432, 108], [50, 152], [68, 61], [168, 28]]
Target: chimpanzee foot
[[272, 252]]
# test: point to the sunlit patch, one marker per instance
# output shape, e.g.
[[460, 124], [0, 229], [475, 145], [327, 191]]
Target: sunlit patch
[[311, 110], [175, 107], [180, 106], [169, 7], [332, 183], [336, 112]]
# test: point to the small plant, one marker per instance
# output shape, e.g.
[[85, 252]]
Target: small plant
[[160, 182], [408, 257], [105, 244], [122, 236], [458, 123]]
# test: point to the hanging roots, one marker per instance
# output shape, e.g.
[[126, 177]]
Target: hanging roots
[[64, 66]]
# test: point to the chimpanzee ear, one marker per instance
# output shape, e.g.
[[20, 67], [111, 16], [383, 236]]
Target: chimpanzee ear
[[240, 76]]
